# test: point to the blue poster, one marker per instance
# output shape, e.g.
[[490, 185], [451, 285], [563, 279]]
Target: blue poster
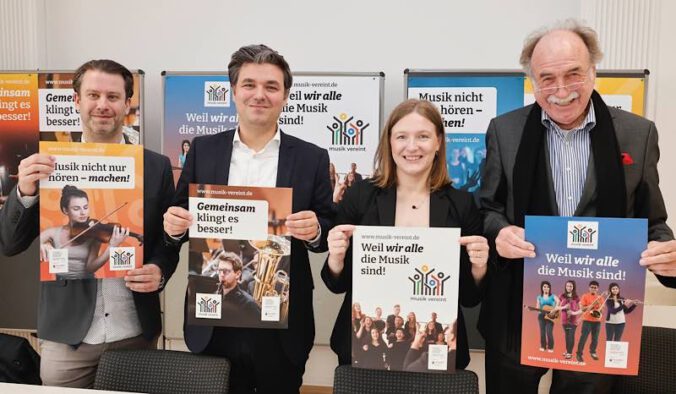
[[582, 294], [467, 102], [194, 105]]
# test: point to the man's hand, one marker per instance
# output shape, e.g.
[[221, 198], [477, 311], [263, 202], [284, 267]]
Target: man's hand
[[511, 243], [177, 221], [303, 225], [31, 169], [145, 279], [660, 257]]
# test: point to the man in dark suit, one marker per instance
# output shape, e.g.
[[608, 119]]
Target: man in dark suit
[[79, 319], [569, 155], [259, 154]]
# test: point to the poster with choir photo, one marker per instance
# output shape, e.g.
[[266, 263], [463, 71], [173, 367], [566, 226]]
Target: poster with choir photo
[[91, 211], [405, 298], [583, 294], [239, 270]]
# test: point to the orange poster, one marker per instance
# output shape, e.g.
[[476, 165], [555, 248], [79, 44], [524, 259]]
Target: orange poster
[[18, 125], [91, 211]]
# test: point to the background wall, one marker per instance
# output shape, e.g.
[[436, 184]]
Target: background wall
[[349, 35]]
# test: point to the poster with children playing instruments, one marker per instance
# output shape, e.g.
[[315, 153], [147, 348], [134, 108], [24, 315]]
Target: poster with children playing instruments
[[582, 294]]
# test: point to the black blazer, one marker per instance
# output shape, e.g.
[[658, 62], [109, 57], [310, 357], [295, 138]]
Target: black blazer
[[66, 307], [305, 168], [366, 204]]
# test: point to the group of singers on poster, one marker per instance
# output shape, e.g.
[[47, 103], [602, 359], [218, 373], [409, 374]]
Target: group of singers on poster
[[396, 343]]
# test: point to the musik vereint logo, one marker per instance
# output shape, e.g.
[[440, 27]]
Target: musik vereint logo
[[122, 258], [427, 284], [208, 306], [347, 134], [216, 94], [583, 235]]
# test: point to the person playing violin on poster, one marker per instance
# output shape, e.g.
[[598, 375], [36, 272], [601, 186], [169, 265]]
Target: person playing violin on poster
[[618, 306], [83, 245]]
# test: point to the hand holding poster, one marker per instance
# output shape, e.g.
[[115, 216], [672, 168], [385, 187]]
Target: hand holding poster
[[91, 211], [585, 275], [239, 268], [415, 271]]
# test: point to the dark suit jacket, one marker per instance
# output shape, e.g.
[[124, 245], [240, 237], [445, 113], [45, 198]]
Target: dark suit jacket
[[366, 204], [636, 136], [66, 307], [305, 168]]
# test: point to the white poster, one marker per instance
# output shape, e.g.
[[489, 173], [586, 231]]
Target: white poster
[[340, 113], [411, 274]]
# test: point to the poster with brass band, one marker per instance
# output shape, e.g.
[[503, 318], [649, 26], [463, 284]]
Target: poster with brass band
[[239, 272]]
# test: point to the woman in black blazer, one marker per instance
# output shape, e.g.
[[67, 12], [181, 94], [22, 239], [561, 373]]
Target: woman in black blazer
[[410, 187]]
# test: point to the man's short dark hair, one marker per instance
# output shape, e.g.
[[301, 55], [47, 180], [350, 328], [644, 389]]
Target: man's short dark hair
[[233, 259], [593, 283], [109, 67], [258, 54]]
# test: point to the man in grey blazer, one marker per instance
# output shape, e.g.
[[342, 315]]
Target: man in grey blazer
[[567, 154], [78, 319]]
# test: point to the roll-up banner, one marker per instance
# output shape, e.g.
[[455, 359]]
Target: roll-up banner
[[39, 105], [341, 112], [467, 100]]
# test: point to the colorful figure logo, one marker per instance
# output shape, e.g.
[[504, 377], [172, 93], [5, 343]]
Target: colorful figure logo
[[346, 132], [208, 305], [426, 282]]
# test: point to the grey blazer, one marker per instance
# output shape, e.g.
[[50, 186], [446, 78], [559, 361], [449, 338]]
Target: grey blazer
[[636, 136], [66, 307]]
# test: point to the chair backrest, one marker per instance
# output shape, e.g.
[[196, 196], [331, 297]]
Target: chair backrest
[[19, 363], [162, 371], [349, 380], [656, 366]]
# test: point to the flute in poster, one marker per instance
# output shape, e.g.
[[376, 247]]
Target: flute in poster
[[239, 267], [583, 294], [415, 272], [91, 211]]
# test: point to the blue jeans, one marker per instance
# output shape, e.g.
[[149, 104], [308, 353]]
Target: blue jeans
[[546, 332], [614, 331], [588, 327]]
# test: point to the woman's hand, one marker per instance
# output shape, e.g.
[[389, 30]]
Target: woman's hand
[[119, 235], [339, 240], [44, 250], [477, 249]]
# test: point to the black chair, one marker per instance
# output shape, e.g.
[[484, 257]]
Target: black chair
[[657, 364], [349, 380], [19, 363], [162, 371]]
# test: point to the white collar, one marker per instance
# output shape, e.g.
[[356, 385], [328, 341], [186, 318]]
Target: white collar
[[276, 138]]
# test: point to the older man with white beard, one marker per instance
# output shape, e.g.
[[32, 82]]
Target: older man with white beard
[[566, 155]]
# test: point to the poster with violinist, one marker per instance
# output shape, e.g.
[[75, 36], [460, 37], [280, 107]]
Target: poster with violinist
[[583, 294], [239, 271], [91, 211]]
